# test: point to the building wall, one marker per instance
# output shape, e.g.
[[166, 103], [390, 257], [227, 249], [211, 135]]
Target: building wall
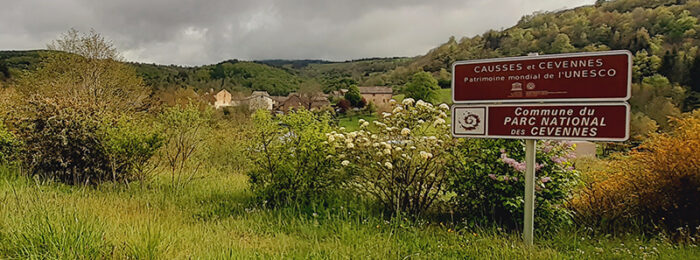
[[260, 102], [381, 100], [223, 98]]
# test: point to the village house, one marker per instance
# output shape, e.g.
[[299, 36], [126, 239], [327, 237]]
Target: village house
[[222, 99], [260, 100], [296, 101], [380, 96], [263, 100]]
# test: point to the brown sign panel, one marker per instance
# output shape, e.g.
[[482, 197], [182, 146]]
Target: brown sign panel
[[581, 121], [587, 76]]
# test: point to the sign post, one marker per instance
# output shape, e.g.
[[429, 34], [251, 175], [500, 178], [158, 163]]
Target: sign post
[[529, 218], [517, 97]]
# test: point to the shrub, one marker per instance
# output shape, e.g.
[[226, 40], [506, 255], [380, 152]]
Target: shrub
[[9, 145], [657, 184], [292, 161], [488, 182], [423, 86], [68, 107], [353, 95], [71, 144], [344, 105], [186, 129], [400, 162], [129, 144]]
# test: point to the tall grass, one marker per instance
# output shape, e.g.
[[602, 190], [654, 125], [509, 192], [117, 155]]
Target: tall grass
[[212, 219]]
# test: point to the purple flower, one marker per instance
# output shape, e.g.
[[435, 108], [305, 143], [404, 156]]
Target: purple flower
[[547, 146], [567, 144], [545, 179], [558, 159], [538, 166], [505, 178], [492, 176]]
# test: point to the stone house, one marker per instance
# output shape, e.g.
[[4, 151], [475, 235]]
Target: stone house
[[296, 101], [380, 96], [222, 99], [260, 100]]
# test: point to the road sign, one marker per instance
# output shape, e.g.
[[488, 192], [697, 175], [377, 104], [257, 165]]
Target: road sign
[[578, 121], [577, 77]]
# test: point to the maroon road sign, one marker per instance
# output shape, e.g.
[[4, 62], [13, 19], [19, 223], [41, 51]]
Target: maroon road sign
[[587, 76], [579, 121]]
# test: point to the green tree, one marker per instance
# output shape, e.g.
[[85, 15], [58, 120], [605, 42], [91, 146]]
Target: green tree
[[645, 65], [186, 128], [353, 95], [71, 112], [422, 86], [561, 44]]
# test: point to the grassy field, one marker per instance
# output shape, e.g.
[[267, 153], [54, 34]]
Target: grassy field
[[351, 122], [212, 219]]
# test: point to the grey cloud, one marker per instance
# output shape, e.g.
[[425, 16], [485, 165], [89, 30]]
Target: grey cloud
[[193, 32]]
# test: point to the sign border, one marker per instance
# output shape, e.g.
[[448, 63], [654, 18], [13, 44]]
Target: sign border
[[627, 122], [561, 55]]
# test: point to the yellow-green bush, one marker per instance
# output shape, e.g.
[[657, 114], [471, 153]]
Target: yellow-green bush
[[656, 184]]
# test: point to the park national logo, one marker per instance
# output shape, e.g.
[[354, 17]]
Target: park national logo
[[470, 120]]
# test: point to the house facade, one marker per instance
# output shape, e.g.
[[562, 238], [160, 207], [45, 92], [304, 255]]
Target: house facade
[[222, 99], [380, 96]]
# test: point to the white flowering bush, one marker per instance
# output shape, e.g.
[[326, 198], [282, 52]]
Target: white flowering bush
[[292, 160], [400, 159], [488, 183]]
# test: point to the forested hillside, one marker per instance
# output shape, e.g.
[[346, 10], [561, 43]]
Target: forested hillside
[[662, 35]]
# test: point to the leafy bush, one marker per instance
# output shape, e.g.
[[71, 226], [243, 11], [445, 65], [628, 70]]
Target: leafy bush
[[9, 145], [71, 144], [70, 117], [488, 182], [292, 161], [422, 86], [353, 95], [657, 184], [129, 144], [400, 162], [186, 129]]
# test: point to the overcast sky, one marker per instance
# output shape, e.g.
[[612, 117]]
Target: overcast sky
[[193, 32]]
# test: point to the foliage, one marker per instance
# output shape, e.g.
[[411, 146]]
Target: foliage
[[129, 144], [292, 162], [400, 163], [344, 105], [68, 107], [488, 182], [353, 95], [422, 86], [655, 185], [655, 98], [662, 35], [186, 129], [9, 145], [211, 220]]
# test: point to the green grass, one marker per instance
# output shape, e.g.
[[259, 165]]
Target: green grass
[[212, 219], [351, 122]]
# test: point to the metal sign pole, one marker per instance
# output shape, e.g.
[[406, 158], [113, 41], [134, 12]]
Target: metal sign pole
[[530, 158], [528, 228]]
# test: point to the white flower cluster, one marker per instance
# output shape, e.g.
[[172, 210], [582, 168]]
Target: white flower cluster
[[413, 133]]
